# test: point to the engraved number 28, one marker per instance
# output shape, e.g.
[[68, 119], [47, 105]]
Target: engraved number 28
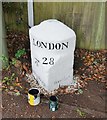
[[48, 61]]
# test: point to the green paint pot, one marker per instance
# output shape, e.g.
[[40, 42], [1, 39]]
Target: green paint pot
[[53, 103]]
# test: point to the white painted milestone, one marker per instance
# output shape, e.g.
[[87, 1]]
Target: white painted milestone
[[52, 53]]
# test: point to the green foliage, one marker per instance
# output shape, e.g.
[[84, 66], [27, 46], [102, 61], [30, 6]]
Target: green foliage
[[80, 91], [11, 7], [20, 53], [13, 61], [9, 79], [81, 113], [4, 59]]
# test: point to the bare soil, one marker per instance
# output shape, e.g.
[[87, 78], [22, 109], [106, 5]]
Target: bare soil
[[91, 102]]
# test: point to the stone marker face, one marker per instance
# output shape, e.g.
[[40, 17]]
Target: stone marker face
[[52, 53]]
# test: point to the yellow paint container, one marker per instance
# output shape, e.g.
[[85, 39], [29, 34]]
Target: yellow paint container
[[33, 96]]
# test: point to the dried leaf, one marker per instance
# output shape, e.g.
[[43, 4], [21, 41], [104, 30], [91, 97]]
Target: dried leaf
[[25, 68], [16, 90], [17, 79]]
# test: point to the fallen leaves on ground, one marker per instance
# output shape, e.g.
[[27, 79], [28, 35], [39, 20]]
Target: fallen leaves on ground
[[88, 64], [93, 64]]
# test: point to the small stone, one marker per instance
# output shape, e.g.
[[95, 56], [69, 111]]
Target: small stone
[[66, 90], [38, 116], [11, 93], [11, 88], [12, 99], [53, 116], [14, 104], [1, 106], [69, 88]]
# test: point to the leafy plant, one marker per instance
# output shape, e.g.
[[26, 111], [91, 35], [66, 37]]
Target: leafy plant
[[81, 113], [9, 79], [20, 53], [4, 59], [80, 91], [7, 62], [13, 62]]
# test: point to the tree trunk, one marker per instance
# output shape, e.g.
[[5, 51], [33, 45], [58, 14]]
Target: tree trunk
[[3, 46]]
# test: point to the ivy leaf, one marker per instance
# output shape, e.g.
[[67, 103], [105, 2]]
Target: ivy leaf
[[80, 91], [81, 113], [20, 53]]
